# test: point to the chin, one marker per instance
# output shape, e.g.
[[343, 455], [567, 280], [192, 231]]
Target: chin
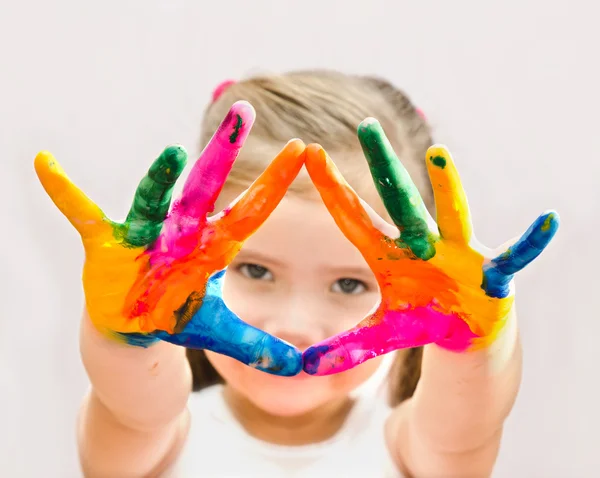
[[288, 396]]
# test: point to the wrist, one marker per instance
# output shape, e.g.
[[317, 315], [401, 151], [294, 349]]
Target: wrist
[[134, 339]]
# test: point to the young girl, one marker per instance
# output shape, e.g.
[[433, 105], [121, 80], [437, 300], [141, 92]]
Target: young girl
[[299, 279]]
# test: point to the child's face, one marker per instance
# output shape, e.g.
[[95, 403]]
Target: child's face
[[300, 279]]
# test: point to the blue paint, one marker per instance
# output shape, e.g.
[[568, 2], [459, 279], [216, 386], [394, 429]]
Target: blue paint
[[214, 327], [138, 340], [312, 358], [500, 271]]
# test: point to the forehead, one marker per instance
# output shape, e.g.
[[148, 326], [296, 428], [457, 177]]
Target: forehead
[[301, 231], [359, 179]]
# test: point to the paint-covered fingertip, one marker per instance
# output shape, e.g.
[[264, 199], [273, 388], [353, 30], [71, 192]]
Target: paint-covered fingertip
[[373, 140], [244, 109], [294, 147], [369, 123], [313, 365], [316, 159], [236, 126], [311, 359], [321, 168], [175, 151], [326, 358], [280, 358], [43, 158], [552, 215], [550, 222], [45, 164], [369, 130], [172, 160], [438, 155], [316, 152]]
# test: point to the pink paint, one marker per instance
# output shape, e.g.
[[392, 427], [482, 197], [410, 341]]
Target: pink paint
[[209, 173], [397, 330], [188, 216]]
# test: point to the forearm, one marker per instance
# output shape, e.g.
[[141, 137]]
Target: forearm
[[135, 413], [109, 448], [458, 410]]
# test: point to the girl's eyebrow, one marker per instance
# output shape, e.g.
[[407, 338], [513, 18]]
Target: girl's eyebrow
[[246, 255], [363, 272]]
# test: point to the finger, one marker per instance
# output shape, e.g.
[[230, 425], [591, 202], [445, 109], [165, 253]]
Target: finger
[[452, 208], [153, 197], [379, 334], [397, 190], [214, 327], [208, 174], [80, 210], [340, 199], [252, 209], [498, 274]]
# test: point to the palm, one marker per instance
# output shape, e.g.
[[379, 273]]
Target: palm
[[158, 275], [437, 284]]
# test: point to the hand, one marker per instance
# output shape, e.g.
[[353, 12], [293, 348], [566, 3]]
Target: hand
[[158, 275], [437, 284]]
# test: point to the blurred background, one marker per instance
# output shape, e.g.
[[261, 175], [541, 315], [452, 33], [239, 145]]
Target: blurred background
[[511, 87]]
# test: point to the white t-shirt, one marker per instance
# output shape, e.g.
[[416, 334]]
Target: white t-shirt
[[218, 446]]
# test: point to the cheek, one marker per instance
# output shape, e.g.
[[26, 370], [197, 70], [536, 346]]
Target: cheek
[[238, 298], [230, 370], [248, 382], [229, 289], [355, 310]]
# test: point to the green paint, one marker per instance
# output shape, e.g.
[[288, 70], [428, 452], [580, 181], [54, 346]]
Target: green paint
[[236, 129], [438, 161], [152, 199], [397, 191]]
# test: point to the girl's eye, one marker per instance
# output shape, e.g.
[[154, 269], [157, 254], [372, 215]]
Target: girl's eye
[[348, 286], [254, 271]]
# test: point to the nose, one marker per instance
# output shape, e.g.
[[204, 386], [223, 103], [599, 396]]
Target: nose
[[296, 321]]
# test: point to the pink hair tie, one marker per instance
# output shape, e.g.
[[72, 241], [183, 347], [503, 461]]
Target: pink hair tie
[[218, 91], [421, 114]]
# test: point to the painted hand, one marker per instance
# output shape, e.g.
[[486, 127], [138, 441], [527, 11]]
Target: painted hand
[[158, 275], [437, 285]]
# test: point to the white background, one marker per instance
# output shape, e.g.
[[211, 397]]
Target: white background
[[511, 87]]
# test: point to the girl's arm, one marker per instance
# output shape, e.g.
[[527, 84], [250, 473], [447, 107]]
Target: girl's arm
[[133, 421], [452, 426], [158, 275]]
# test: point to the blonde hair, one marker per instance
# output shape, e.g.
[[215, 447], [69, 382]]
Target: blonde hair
[[324, 107]]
